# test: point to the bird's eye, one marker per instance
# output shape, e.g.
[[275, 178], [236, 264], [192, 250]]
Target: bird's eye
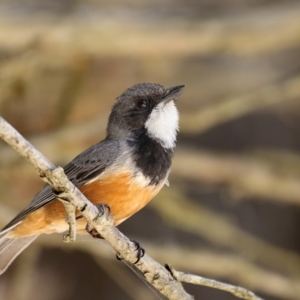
[[142, 103]]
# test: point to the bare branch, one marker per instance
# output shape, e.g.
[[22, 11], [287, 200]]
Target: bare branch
[[160, 277], [194, 279], [154, 273]]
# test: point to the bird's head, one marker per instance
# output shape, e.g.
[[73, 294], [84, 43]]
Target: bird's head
[[146, 107]]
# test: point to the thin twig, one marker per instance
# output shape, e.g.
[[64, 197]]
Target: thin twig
[[194, 279]]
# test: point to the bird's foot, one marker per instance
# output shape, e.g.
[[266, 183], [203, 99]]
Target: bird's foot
[[102, 209], [93, 232], [140, 252]]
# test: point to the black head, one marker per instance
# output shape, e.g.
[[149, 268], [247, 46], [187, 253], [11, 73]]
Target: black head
[[148, 107]]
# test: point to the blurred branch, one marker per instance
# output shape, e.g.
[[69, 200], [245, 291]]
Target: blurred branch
[[219, 230], [233, 108], [255, 31], [154, 273], [242, 175]]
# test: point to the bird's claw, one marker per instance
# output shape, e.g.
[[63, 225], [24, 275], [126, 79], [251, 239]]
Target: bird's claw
[[140, 252]]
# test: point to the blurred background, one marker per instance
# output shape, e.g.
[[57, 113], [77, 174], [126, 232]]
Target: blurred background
[[232, 209]]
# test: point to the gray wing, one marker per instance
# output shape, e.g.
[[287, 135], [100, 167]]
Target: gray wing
[[80, 170]]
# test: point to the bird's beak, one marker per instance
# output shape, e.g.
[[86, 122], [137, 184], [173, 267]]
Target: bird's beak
[[173, 93]]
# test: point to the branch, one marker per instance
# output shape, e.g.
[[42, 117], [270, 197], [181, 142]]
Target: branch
[[235, 290], [157, 275]]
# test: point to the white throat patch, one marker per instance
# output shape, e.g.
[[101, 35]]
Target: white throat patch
[[162, 124]]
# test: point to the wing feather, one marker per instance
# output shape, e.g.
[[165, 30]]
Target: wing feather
[[90, 163]]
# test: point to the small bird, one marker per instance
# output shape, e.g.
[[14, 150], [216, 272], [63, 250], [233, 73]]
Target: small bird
[[124, 171]]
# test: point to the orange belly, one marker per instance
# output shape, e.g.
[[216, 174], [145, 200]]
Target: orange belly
[[124, 195]]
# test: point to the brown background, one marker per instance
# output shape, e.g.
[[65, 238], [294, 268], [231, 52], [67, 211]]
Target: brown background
[[232, 209]]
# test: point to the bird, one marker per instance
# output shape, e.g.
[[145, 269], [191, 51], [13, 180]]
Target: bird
[[123, 171]]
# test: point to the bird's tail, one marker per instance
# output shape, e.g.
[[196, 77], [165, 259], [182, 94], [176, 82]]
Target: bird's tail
[[10, 248]]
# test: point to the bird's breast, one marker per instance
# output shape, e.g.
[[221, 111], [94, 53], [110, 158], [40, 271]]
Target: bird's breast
[[125, 193]]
